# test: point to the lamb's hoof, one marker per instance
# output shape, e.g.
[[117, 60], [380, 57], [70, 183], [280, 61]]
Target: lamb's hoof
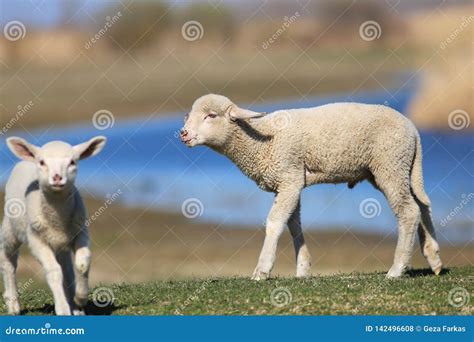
[[78, 312], [62, 310], [13, 308], [260, 275], [395, 272], [438, 270], [303, 274]]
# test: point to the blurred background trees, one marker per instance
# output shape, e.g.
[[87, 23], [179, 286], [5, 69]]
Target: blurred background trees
[[143, 61]]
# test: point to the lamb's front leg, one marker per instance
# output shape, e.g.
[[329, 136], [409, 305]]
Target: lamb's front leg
[[53, 271], [284, 205], [303, 258], [82, 260]]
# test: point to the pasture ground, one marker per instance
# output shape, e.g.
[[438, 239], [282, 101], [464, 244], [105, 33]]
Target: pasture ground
[[417, 293]]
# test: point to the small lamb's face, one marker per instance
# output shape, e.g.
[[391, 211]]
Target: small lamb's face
[[56, 161], [211, 119], [207, 123]]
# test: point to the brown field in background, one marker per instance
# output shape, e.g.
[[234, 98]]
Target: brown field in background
[[448, 83], [68, 83]]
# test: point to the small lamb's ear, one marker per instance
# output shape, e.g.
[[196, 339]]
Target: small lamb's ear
[[22, 149], [239, 113], [90, 148]]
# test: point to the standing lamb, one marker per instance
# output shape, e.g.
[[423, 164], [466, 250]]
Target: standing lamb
[[44, 209], [288, 150]]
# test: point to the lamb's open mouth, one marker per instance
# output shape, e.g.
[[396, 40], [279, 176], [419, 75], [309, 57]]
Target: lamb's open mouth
[[187, 141]]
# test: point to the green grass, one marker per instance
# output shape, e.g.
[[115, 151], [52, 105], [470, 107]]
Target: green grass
[[419, 293]]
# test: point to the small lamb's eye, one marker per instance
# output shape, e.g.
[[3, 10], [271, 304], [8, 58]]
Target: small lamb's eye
[[72, 163], [210, 115], [42, 163]]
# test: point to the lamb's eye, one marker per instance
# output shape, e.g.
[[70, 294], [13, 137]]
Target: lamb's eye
[[72, 163], [210, 115], [42, 163]]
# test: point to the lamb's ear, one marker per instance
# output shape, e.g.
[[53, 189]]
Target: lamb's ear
[[89, 148], [22, 148], [240, 113]]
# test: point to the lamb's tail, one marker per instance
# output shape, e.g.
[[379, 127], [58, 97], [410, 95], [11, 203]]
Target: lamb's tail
[[417, 185]]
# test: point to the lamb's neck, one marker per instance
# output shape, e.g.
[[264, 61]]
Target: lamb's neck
[[58, 206], [247, 145]]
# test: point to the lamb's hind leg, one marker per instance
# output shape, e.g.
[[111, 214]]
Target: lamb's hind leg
[[303, 258], [398, 193], [428, 243], [408, 215]]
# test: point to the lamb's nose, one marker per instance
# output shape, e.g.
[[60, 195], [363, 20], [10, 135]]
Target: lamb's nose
[[183, 132], [57, 178]]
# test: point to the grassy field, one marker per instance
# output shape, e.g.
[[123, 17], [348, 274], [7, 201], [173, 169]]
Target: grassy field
[[419, 293]]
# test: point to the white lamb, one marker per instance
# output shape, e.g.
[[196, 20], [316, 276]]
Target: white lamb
[[288, 150], [44, 209]]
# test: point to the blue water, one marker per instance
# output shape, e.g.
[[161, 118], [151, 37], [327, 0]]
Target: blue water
[[145, 160]]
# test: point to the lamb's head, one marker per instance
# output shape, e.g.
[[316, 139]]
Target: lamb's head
[[56, 161], [211, 121]]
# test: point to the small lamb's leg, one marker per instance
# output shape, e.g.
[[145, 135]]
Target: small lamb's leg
[[428, 243], [283, 206], [408, 220], [303, 258], [9, 261], [82, 259], [65, 260], [408, 214], [53, 271]]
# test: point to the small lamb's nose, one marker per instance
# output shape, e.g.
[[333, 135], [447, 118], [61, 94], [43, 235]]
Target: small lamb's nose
[[57, 178], [183, 132]]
